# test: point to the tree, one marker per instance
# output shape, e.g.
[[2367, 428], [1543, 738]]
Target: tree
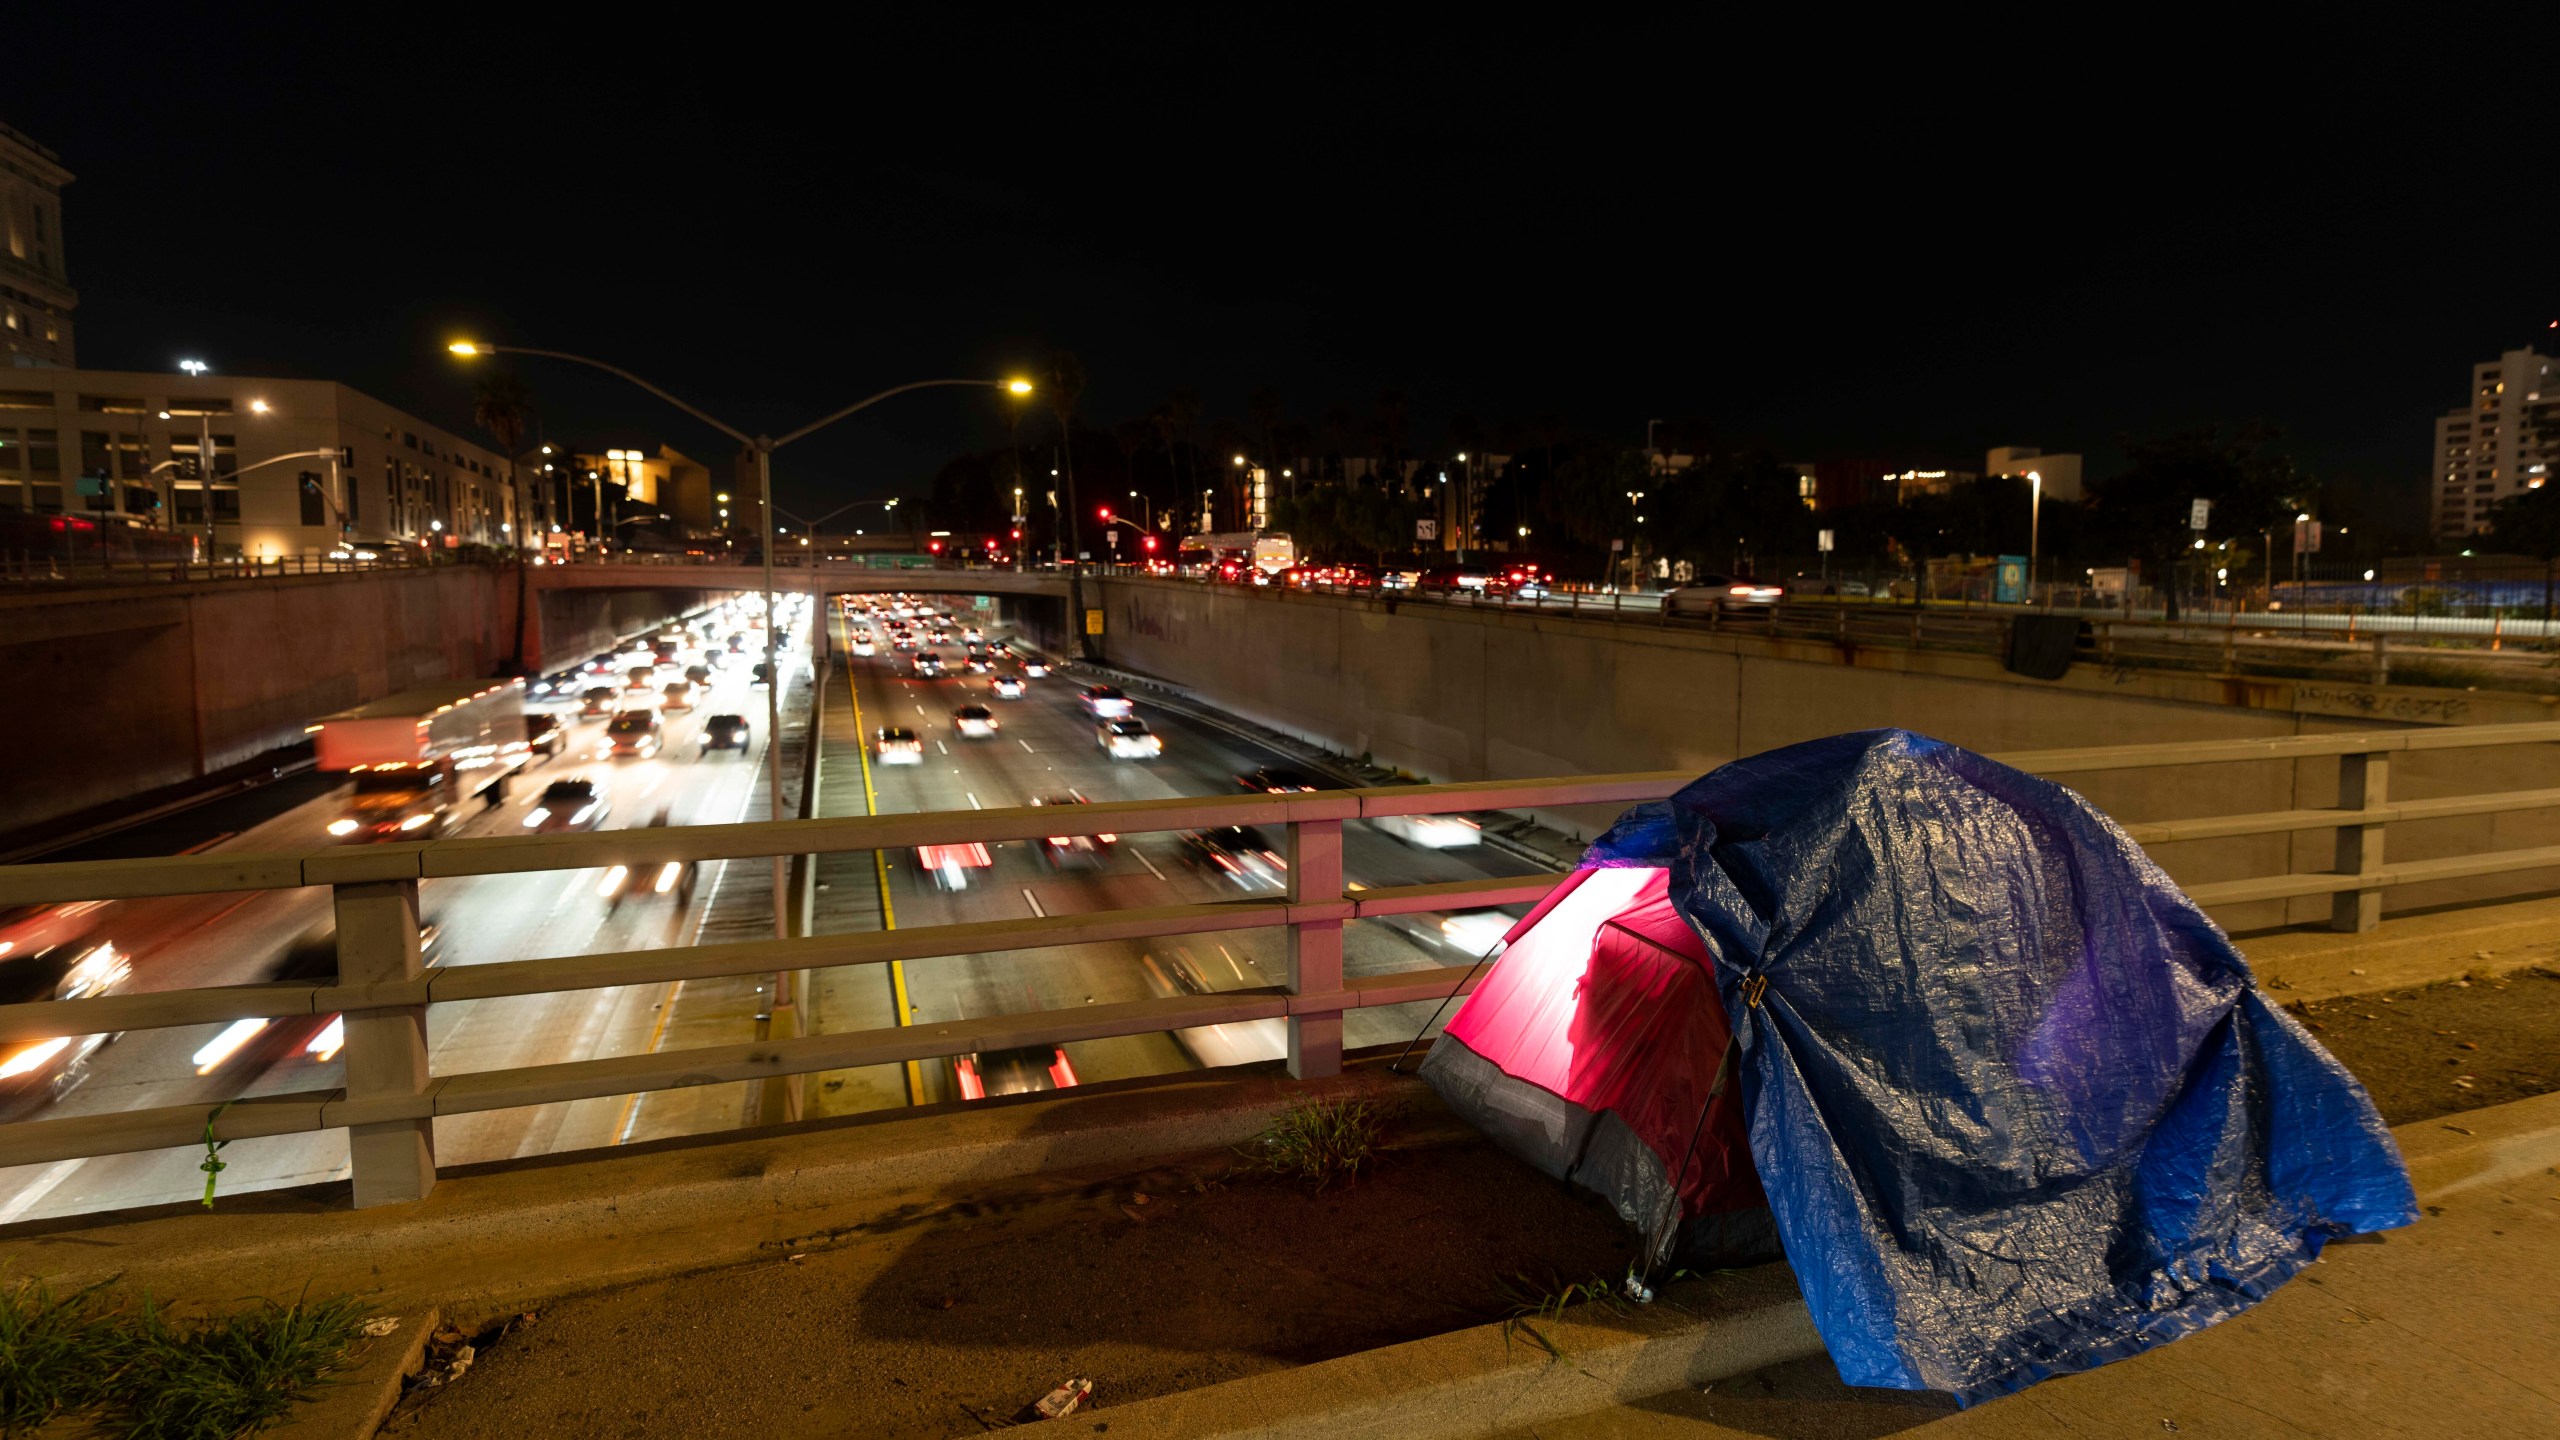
[[2529, 524], [2142, 511], [499, 405], [1063, 385]]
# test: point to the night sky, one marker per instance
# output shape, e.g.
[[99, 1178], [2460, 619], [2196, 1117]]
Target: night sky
[[1900, 258]]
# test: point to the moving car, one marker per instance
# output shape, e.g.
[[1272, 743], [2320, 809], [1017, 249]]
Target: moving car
[[1107, 702], [698, 674], [1074, 851], [1128, 740], [1279, 780], [569, 805], [679, 696], [761, 676], [1726, 593], [1236, 1042], [597, 701], [1241, 853], [635, 734], [647, 879], [949, 866], [1007, 687], [927, 665], [862, 645], [543, 735], [1035, 668], [1433, 832], [897, 745], [974, 722], [53, 956], [640, 677], [1012, 1072], [724, 732], [974, 635]]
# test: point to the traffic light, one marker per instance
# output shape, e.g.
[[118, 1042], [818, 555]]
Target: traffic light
[[1105, 512], [1017, 532], [936, 546], [1151, 544]]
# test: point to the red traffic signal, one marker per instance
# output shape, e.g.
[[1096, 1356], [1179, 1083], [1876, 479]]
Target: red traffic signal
[[1105, 512], [1017, 532], [937, 547], [1151, 542]]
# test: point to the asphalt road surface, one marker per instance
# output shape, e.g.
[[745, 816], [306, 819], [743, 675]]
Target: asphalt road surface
[[229, 939]]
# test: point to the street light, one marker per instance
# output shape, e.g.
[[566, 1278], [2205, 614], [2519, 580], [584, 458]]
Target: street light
[[764, 446], [2035, 526]]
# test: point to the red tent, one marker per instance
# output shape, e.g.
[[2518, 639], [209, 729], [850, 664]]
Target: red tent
[[1596, 1050]]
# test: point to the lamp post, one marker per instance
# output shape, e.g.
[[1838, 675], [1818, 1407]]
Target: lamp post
[[2035, 527], [763, 446]]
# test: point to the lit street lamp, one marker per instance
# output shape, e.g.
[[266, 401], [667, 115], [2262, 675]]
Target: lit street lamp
[[2035, 526], [763, 446]]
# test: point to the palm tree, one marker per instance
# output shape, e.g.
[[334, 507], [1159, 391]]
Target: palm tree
[[499, 406], [1063, 384]]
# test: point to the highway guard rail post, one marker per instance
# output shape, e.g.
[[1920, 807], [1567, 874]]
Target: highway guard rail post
[[392, 1095]]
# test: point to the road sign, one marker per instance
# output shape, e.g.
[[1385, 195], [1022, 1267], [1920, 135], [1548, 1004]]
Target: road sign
[[1113, 536], [2197, 513], [1021, 519], [1426, 531], [2306, 536], [1617, 545], [1822, 541], [1093, 622]]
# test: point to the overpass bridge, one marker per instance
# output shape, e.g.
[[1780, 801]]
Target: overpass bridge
[[834, 577]]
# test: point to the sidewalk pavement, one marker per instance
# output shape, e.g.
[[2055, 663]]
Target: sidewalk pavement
[[2446, 1330]]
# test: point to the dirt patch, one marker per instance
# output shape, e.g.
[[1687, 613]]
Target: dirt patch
[[2442, 1048], [946, 1316]]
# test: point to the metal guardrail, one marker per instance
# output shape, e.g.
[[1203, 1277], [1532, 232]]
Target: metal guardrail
[[392, 1095]]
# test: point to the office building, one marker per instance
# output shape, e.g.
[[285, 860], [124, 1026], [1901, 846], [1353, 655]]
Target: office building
[[36, 298], [130, 444], [2503, 441]]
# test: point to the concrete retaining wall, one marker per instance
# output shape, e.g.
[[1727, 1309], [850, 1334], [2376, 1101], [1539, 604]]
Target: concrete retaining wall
[[120, 693], [1454, 694]]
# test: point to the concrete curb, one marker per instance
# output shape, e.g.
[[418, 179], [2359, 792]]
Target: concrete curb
[[356, 1401], [1473, 1383], [1480, 1381], [493, 1240], [2317, 965]]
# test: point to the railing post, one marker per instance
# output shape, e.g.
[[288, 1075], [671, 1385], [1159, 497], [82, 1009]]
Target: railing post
[[386, 1049], [2364, 781], [1315, 946]]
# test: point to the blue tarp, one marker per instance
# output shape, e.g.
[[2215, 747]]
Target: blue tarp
[[2019, 1107]]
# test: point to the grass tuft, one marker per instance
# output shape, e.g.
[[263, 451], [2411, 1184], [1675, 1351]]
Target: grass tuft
[[51, 1349], [1321, 1141], [212, 1379]]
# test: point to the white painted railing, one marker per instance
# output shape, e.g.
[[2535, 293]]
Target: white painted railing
[[391, 1095]]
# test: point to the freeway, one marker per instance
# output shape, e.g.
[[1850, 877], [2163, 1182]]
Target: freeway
[[214, 940], [1047, 747]]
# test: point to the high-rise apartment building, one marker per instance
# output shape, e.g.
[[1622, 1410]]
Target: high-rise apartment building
[[2502, 442], [36, 297]]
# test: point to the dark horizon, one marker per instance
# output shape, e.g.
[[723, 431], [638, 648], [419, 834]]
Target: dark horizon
[[1912, 285]]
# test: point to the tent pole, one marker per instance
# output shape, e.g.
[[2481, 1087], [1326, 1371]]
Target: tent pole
[[1398, 1067], [1653, 1249]]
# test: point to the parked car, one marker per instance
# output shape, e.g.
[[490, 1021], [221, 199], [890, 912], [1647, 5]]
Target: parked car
[[725, 732]]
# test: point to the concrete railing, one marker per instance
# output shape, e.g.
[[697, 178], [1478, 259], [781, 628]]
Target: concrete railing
[[392, 1095]]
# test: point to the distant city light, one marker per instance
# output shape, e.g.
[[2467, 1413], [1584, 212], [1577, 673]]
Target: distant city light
[[194, 367]]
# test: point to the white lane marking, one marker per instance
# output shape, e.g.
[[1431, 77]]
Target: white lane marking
[[1143, 860], [1026, 746], [973, 800], [938, 745], [38, 1188], [1034, 902], [1231, 961]]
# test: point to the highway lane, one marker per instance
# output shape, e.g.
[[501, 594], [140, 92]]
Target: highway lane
[[1048, 746], [194, 941]]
